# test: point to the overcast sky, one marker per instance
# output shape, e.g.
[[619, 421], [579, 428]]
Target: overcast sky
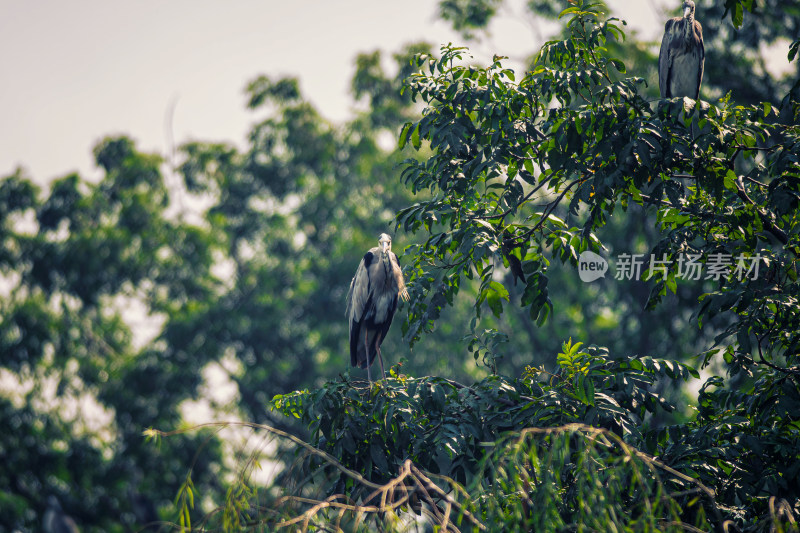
[[74, 72]]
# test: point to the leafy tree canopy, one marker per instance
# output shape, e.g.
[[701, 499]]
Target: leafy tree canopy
[[720, 180]]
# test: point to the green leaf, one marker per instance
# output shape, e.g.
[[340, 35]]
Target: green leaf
[[619, 65], [495, 303], [793, 50], [588, 388], [528, 164], [580, 392], [415, 141], [730, 180], [378, 457], [568, 11], [738, 15], [403, 139]]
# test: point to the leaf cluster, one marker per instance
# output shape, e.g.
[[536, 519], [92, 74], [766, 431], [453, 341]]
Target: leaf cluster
[[453, 430]]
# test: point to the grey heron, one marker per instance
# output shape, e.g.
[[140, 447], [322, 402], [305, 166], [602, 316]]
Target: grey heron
[[371, 303], [682, 55], [144, 510], [56, 520]]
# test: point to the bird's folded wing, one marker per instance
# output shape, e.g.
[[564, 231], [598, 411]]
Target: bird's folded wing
[[664, 58], [698, 31], [359, 293]]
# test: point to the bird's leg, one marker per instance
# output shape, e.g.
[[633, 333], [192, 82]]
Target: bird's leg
[[380, 357], [366, 354]]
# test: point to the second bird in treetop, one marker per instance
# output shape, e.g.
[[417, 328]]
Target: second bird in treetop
[[682, 56]]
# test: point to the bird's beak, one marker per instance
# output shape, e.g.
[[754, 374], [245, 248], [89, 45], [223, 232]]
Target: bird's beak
[[686, 11], [385, 246]]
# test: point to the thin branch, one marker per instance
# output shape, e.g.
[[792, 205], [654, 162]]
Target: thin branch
[[757, 148], [311, 449], [791, 371], [609, 437], [748, 178], [551, 207], [770, 226], [431, 486], [524, 199]]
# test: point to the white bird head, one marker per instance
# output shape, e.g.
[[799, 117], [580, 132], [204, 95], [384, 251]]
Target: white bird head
[[385, 243], [688, 8]]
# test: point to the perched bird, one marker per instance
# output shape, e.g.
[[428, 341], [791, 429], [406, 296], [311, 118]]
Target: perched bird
[[144, 510], [56, 520], [372, 301], [680, 62]]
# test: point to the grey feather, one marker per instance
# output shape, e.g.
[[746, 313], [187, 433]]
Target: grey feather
[[681, 59], [359, 292], [55, 520]]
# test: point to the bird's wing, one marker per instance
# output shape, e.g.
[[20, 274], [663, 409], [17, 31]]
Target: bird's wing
[[356, 303], [355, 337], [664, 58], [349, 310], [698, 32], [388, 322], [398, 276], [359, 290]]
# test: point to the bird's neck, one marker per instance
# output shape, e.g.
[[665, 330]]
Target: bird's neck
[[387, 266], [688, 27]]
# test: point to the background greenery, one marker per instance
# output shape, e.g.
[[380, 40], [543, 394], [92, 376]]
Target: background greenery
[[241, 260]]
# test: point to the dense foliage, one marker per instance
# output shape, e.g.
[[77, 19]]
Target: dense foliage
[[468, 434], [721, 180]]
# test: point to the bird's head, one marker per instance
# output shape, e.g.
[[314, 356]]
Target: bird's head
[[688, 9], [385, 243], [53, 503]]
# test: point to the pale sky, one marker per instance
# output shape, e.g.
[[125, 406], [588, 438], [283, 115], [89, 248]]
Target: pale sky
[[74, 72]]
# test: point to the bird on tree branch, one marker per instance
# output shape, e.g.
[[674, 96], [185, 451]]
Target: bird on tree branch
[[682, 56], [372, 302]]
